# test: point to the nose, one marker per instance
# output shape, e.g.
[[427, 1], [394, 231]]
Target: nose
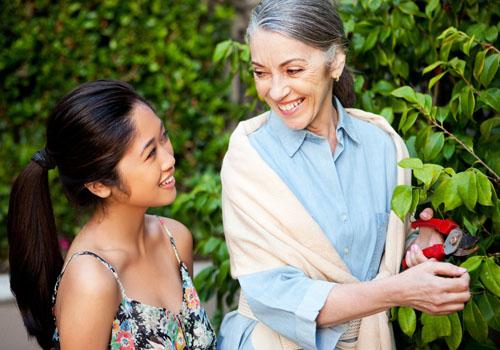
[[279, 88], [167, 157]]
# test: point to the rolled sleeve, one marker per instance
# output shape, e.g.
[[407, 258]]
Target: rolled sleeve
[[289, 302]]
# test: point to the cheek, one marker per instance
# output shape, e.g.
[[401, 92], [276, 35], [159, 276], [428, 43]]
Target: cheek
[[262, 88]]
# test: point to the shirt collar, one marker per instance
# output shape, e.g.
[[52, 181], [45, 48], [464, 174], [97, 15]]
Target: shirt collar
[[292, 139], [345, 122]]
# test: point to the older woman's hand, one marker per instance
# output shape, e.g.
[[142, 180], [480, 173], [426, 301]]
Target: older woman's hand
[[426, 238], [428, 287]]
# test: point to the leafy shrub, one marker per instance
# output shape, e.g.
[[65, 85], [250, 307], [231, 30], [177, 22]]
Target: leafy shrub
[[430, 68]]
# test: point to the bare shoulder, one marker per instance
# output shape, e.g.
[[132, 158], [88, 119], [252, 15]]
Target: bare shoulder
[[183, 239], [87, 288], [88, 277]]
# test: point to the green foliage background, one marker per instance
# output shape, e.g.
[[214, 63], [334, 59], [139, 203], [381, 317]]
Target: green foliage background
[[430, 67]]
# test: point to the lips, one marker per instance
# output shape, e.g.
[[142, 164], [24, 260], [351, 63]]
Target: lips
[[168, 182], [290, 107]]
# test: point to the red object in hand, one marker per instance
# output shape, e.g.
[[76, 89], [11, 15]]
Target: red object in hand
[[442, 226], [435, 251]]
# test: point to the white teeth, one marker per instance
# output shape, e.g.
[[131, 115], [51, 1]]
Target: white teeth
[[290, 106], [167, 181]]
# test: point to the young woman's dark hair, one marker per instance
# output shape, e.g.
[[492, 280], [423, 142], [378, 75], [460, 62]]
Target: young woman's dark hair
[[87, 135]]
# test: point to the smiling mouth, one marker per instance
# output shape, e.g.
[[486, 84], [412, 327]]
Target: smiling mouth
[[290, 106], [167, 181]]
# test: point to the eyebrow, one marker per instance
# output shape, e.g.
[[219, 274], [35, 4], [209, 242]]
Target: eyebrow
[[281, 64], [152, 140]]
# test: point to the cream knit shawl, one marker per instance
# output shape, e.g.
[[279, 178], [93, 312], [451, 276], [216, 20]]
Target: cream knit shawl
[[267, 227]]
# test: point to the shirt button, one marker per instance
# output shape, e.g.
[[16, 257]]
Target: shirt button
[[346, 251], [343, 217]]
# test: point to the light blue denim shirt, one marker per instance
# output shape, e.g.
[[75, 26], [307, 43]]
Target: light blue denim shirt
[[348, 194]]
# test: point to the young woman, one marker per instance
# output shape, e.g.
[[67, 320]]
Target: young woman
[[306, 201], [126, 280]]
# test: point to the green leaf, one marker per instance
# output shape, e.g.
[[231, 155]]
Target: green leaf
[[388, 114], [409, 8], [458, 65], [435, 79], [447, 32], [428, 174], [401, 200], [434, 327], [433, 145], [467, 188], [484, 192], [223, 272], [405, 92], [467, 102], [490, 308], [407, 320], [431, 7], [474, 322], [491, 97], [222, 50], [472, 263], [490, 69], [210, 245], [432, 66], [490, 276], [446, 193], [487, 126], [411, 163], [448, 150], [409, 121], [479, 64], [371, 40], [455, 338], [467, 45]]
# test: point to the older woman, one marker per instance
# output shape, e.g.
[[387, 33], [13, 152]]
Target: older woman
[[306, 201]]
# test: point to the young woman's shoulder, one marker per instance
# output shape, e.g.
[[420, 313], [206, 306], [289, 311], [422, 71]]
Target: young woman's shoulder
[[87, 301], [182, 236], [88, 277]]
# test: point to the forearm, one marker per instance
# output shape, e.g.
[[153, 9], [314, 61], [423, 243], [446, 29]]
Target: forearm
[[355, 300], [433, 287]]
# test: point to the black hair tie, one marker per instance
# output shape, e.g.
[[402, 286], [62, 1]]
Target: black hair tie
[[44, 159]]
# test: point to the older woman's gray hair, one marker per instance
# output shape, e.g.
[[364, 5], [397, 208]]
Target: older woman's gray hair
[[313, 22]]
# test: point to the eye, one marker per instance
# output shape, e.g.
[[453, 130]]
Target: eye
[[152, 153], [258, 73], [294, 71]]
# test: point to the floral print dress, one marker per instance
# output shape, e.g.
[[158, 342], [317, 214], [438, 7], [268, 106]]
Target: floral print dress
[[141, 326]]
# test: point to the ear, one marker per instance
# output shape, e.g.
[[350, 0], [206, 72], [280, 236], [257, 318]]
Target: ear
[[99, 189], [337, 66]]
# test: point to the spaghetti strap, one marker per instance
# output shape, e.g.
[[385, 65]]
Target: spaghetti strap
[[171, 237], [101, 260]]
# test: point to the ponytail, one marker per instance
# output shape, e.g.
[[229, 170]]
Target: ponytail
[[34, 256], [344, 89]]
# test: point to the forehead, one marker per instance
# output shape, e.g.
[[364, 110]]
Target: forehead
[[269, 46], [145, 121]]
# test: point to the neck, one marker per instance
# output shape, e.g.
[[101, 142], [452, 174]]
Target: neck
[[326, 125], [119, 226]]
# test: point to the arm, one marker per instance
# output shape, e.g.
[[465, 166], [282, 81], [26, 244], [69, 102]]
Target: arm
[[287, 301], [426, 287], [86, 305]]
